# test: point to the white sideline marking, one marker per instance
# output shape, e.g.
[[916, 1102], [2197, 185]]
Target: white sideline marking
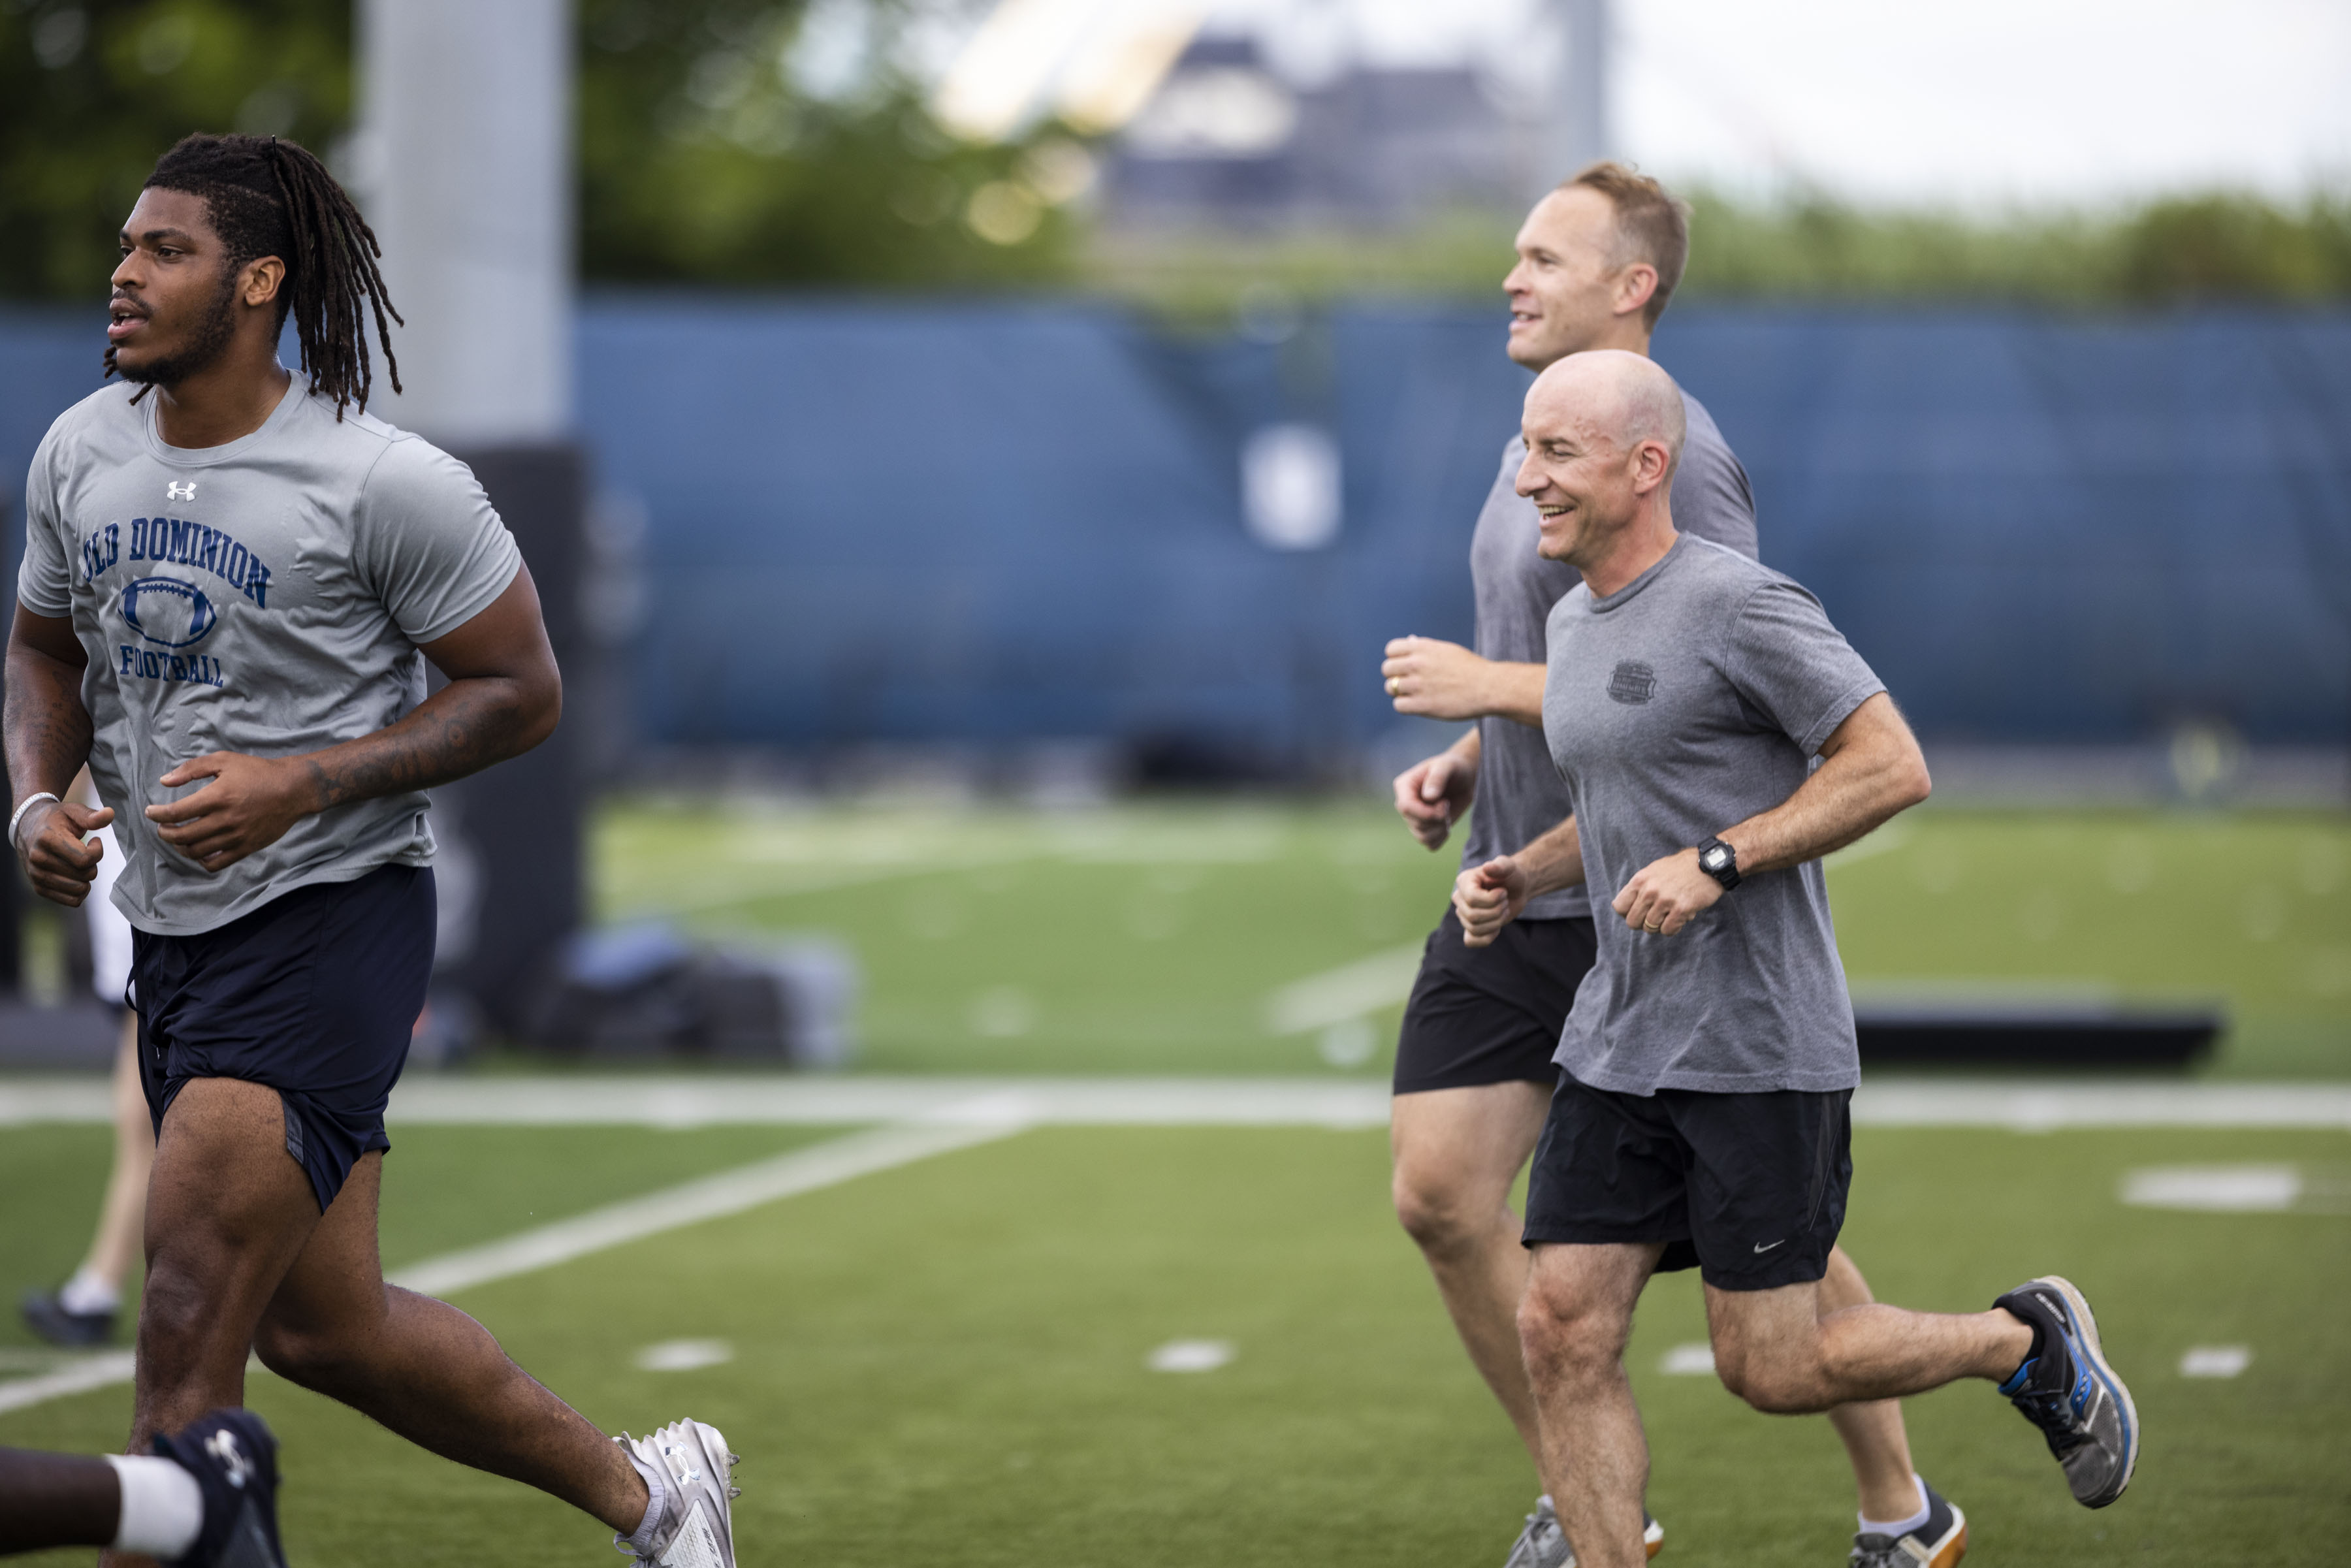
[[2216, 1190], [2216, 1361], [711, 1198], [1347, 992], [685, 1356], [855, 1099], [102, 1371], [1687, 1360], [1190, 1356]]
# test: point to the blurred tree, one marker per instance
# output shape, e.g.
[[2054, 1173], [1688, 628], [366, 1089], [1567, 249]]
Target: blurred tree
[[752, 141], [737, 142], [92, 91]]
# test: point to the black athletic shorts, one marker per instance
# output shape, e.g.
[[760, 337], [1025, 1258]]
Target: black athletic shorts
[[1750, 1189], [1491, 1015], [314, 994]]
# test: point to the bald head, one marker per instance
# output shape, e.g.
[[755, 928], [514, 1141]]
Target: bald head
[[1603, 432], [1622, 398]]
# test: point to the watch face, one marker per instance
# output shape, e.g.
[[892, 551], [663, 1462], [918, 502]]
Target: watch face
[[1715, 858]]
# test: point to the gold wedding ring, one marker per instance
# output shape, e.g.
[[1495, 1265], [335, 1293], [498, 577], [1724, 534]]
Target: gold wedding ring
[[1396, 685]]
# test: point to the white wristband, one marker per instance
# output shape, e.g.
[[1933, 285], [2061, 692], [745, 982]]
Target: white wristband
[[26, 804]]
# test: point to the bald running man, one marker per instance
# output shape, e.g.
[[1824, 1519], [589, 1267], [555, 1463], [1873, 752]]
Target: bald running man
[[1598, 261], [1717, 736]]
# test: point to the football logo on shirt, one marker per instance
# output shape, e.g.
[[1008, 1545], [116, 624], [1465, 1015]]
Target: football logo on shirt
[[175, 491], [1633, 682], [168, 612]]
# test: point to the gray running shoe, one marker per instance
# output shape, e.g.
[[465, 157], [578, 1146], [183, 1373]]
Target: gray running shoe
[[1939, 1542], [2068, 1391], [1542, 1545], [698, 1526]]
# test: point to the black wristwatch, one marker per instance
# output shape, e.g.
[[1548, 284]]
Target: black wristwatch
[[1720, 862]]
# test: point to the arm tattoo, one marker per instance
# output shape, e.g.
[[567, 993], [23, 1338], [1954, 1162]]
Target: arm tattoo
[[48, 729], [463, 729]]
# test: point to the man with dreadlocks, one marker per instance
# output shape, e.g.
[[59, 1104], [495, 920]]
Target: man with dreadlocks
[[233, 581]]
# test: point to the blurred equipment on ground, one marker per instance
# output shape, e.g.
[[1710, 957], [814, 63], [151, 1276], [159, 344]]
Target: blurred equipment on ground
[[643, 992]]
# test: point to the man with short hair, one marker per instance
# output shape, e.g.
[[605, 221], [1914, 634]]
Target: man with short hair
[[233, 582], [1598, 259], [1717, 738]]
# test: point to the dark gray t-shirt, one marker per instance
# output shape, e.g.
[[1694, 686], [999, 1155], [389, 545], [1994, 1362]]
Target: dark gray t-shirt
[[1685, 704], [1519, 797], [265, 596]]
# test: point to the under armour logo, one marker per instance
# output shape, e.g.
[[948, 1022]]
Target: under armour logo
[[175, 491], [222, 1445]]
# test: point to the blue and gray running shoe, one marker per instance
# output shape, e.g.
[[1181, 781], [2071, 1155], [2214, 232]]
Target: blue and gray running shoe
[[1939, 1542], [1542, 1545], [2068, 1391], [234, 1461]]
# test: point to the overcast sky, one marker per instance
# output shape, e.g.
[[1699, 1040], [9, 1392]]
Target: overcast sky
[[2037, 102]]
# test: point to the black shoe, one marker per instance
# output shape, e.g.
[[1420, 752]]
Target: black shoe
[[48, 1317], [2067, 1390], [234, 1461], [1939, 1542]]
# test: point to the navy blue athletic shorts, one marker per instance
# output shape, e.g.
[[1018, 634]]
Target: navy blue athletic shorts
[[1749, 1189], [1492, 1014], [314, 994]]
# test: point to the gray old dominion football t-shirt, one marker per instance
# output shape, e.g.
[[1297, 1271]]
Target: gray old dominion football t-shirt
[[1682, 705], [266, 597], [1519, 797]]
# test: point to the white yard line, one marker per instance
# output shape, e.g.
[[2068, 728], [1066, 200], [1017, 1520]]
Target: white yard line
[[1350, 991], [101, 1371], [854, 1099], [711, 1198]]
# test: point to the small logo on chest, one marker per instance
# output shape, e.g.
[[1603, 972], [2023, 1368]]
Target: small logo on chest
[[175, 491], [1633, 682]]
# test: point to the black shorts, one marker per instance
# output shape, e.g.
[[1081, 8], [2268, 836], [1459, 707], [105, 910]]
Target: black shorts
[[314, 994], [1491, 1015], [1750, 1189]]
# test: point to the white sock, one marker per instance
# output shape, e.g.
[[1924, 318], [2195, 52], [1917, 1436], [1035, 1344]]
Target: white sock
[[162, 1506], [656, 1494], [86, 1294], [1899, 1527]]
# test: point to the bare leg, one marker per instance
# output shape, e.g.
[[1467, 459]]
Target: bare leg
[[236, 1247], [429, 1371], [1574, 1320], [124, 1215], [1457, 1152], [1782, 1352], [1872, 1430], [56, 1499]]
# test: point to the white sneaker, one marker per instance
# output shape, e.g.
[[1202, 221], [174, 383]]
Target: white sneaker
[[698, 1526]]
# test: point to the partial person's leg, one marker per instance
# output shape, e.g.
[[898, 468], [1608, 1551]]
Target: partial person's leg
[[1457, 1152], [1573, 1322], [123, 1218], [1781, 1350], [57, 1499], [429, 1371], [228, 1210], [1872, 1431]]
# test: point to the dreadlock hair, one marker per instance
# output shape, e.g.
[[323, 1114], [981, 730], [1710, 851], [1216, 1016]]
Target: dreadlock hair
[[266, 196]]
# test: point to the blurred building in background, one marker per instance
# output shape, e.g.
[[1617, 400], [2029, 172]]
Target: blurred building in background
[[1224, 141]]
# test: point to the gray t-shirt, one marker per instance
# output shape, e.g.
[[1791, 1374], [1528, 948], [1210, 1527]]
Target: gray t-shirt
[[1688, 702], [264, 597], [1519, 797]]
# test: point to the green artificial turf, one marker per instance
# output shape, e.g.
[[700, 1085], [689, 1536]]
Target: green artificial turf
[[1150, 937], [946, 1361]]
